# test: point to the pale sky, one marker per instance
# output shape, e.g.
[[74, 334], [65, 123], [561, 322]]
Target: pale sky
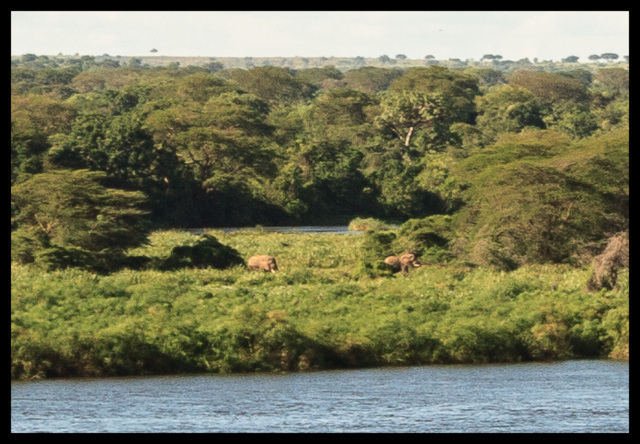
[[466, 35]]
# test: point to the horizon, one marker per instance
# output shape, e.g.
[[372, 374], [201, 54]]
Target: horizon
[[464, 35]]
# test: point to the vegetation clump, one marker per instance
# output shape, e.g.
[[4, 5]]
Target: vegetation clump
[[67, 218], [207, 251]]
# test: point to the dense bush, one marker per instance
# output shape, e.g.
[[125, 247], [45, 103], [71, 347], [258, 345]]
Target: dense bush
[[207, 251], [377, 245], [68, 218], [312, 314]]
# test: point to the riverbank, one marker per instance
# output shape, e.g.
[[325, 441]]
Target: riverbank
[[313, 314]]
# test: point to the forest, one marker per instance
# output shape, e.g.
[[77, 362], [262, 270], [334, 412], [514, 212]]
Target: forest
[[484, 169]]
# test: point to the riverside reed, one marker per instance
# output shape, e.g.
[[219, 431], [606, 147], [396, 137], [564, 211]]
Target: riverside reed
[[315, 313]]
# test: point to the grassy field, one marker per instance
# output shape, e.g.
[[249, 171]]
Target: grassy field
[[315, 313]]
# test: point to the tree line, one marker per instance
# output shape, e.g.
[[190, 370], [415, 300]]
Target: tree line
[[495, 168]]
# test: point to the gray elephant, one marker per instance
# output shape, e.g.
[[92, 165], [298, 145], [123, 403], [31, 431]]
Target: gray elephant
[[262, 262], [403, 262]]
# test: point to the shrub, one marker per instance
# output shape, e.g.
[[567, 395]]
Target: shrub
[[428, 238], [375, 248], [206, 252]]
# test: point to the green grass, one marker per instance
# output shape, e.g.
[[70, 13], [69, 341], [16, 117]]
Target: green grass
[[315, 313]]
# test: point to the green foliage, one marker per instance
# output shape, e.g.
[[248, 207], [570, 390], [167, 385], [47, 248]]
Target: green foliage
[[530, 213], [280, 146], [550, 88], [377, 245], [311, 315], [429, 238], [341, 114], [458, 90], [507, 109], [371, 79], [404, 112], [72, 214], [207, 251], [272, 84], [539, 200]]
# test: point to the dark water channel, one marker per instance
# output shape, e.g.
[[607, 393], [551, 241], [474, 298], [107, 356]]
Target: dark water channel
[[563, 397]]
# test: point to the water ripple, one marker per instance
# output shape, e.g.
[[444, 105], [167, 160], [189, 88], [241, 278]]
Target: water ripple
[[576, 396]]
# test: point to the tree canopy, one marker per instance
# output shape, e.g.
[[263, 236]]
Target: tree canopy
[[519, 158]]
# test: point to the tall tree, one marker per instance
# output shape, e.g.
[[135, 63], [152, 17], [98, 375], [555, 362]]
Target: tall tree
[[273, 84], [458, 90], [371, 79], [405, 112], [507, 109], [68, 217]]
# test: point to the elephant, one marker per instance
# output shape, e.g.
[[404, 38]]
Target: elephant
[[262, 262], [403, 262]]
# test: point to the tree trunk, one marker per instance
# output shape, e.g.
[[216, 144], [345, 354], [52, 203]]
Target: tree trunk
[[407, 139]]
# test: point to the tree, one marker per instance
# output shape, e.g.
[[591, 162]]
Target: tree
[[614, 81], [135, 62], [318, 77], [273, 84], [225, 145], [330, 179], [458, 90], [370, 79], [341, 113], [550, 88], [609, 56], [64, 217], [488, 76], [537, 197], [507, 109], [213, 66], [118, 145], [571, 59], [200, 87], [577, 123], [401, 57], [34, 118], [594, 57], [403, 113]]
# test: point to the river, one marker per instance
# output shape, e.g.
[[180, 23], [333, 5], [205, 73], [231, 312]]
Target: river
[[585, 396]]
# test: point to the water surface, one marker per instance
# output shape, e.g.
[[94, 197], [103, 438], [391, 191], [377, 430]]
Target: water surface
[[564, 397]]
